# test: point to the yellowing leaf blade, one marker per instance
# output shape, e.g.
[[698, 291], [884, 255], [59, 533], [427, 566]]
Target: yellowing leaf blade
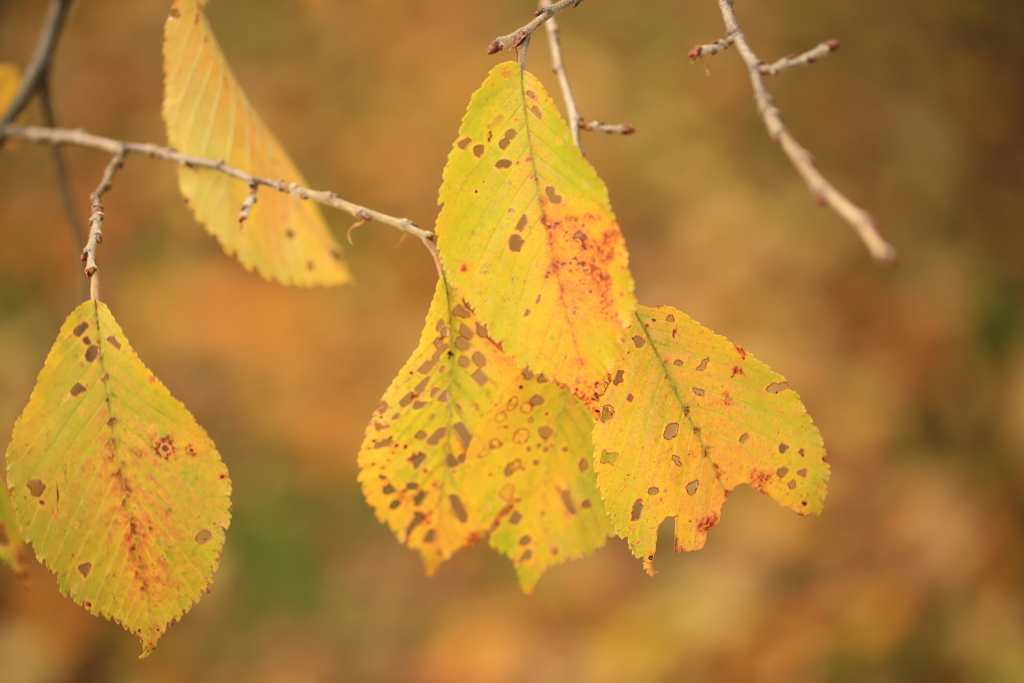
[[527, 233], [123, 496], [688, 417], [532, 451], [413, 459], [208, 115]]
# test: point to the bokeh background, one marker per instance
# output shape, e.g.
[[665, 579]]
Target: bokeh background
[[915, 374]]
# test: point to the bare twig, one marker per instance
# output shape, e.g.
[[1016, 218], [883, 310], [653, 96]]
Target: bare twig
[[824, 192], [710, 49], [805, 59], [247, 205], [519, 35], [576, 120], [521, 49], [38, 66], [96, 221], [80, 138]]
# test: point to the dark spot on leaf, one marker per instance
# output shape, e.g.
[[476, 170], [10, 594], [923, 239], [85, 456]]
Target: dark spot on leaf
[[802, 472], [515, 517], [671, 430], [629, 398], [776, 387], [478, 151], [458, 508], [545, 432], [77, 389], [522, 223], [705, 523], [384, 444], [502, 163], [80, 328], [653, 491], [84, 569], [536, 111], [638, 509], [436, 437], [525, 540], [618, 378], [744, 438], [782, 471], [430, 536], [783, 448], [515, 243], [698, 391], [703, 365], [801, 452], [479, 359], [389, 489], [310, 265], [553, 195], [416, 459], [91, 353], [584, 465], [677, 362], [608, 458], [513, 467], [394, 504], [112, 340], [676, 461], [165, 447], [463, 433], [451, 461], [203, 536], [86, 340], [525, 556], [670, 318], [35, 487], [464, 142], [639, 341], [567, 502], [418, 500], [289, 233], [175, 14], [791, 484], [691, 488], [479, 377], [415, 522]]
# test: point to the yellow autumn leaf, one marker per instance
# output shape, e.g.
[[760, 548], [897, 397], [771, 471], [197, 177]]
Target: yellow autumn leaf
[[689, 416], [532, 451], [413, 459], [208, 115], [527, 233], [122, 495]]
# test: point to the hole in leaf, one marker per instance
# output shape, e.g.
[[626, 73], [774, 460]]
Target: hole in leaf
[[35, 487], [436, 437], [676, 461], [84, 569], [515, 517], [513, 466], [584, 465], [463, 433], [671, 430], [670, 318], [782, 471], [418, 500], [82, 327], [91, 353], [783, 448], [522, 223], [545, 432], [77, 389], [527, 555], [536, 111], [744, 438], [478, 151], [515, 243], [203, 536], [698, 391], [703, 364], [608, 458], [653, 491], [502, 163], [479, 377], [567, 502], [638, 509], [618, 378], [607, 413], [430, 536], [691, 488], [464, 142], [639, 341], [802, 472], [417, 459], [791, 484], [776, 387], [112, 340], [414, 522], [458, 508]]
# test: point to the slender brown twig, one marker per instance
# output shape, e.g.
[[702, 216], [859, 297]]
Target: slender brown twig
[[38, 66], [96, 222], [824, 192], [519, 35], [80, 138], [576, 120], [710, 49], [805, 59]]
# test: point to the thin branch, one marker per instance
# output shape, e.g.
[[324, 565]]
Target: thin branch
[[80, 138], [247, 205], [96, 221], [519, 35], [710, 49], [60, 169], [576, 120], [824, 192], [805, 59], [39, 64]]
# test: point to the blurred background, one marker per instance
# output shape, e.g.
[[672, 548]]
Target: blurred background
[[914, 374]]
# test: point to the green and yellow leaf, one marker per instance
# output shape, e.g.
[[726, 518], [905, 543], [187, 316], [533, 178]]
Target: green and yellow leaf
[[122, 495], [413, 459], [208, 115], [528, 234], [12, 549], [689, 416], [532, 451]]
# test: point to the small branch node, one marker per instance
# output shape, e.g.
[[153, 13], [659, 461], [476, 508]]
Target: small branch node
[[247, 205]]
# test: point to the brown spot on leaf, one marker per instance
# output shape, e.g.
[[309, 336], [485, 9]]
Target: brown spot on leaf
[[584, 465], [739, 350], [618, 378], [84, 569], [639, 341], [91, 353], [638, 509], [691, 488], [776, 387], [80, 328], [608, 458], [567, 502], [463, 433], [705, 523], [759, 479], [203, 536], [418, 500], [671, 430], [112, 340], [35, 487], [653, 491], [744, 438], [458, 508], [416, 459], [77, 389], [436, 437], [536, 111], [478, 151], [703, 364], [782, 471], [464, 142], [515, 243], [553, 195], [502, 163]]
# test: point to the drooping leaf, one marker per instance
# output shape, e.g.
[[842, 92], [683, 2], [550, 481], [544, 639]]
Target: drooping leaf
[[413, 459], [12, 549], [122, 495], [208, 115], [527, 233], [689, 416], [532, 451]]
